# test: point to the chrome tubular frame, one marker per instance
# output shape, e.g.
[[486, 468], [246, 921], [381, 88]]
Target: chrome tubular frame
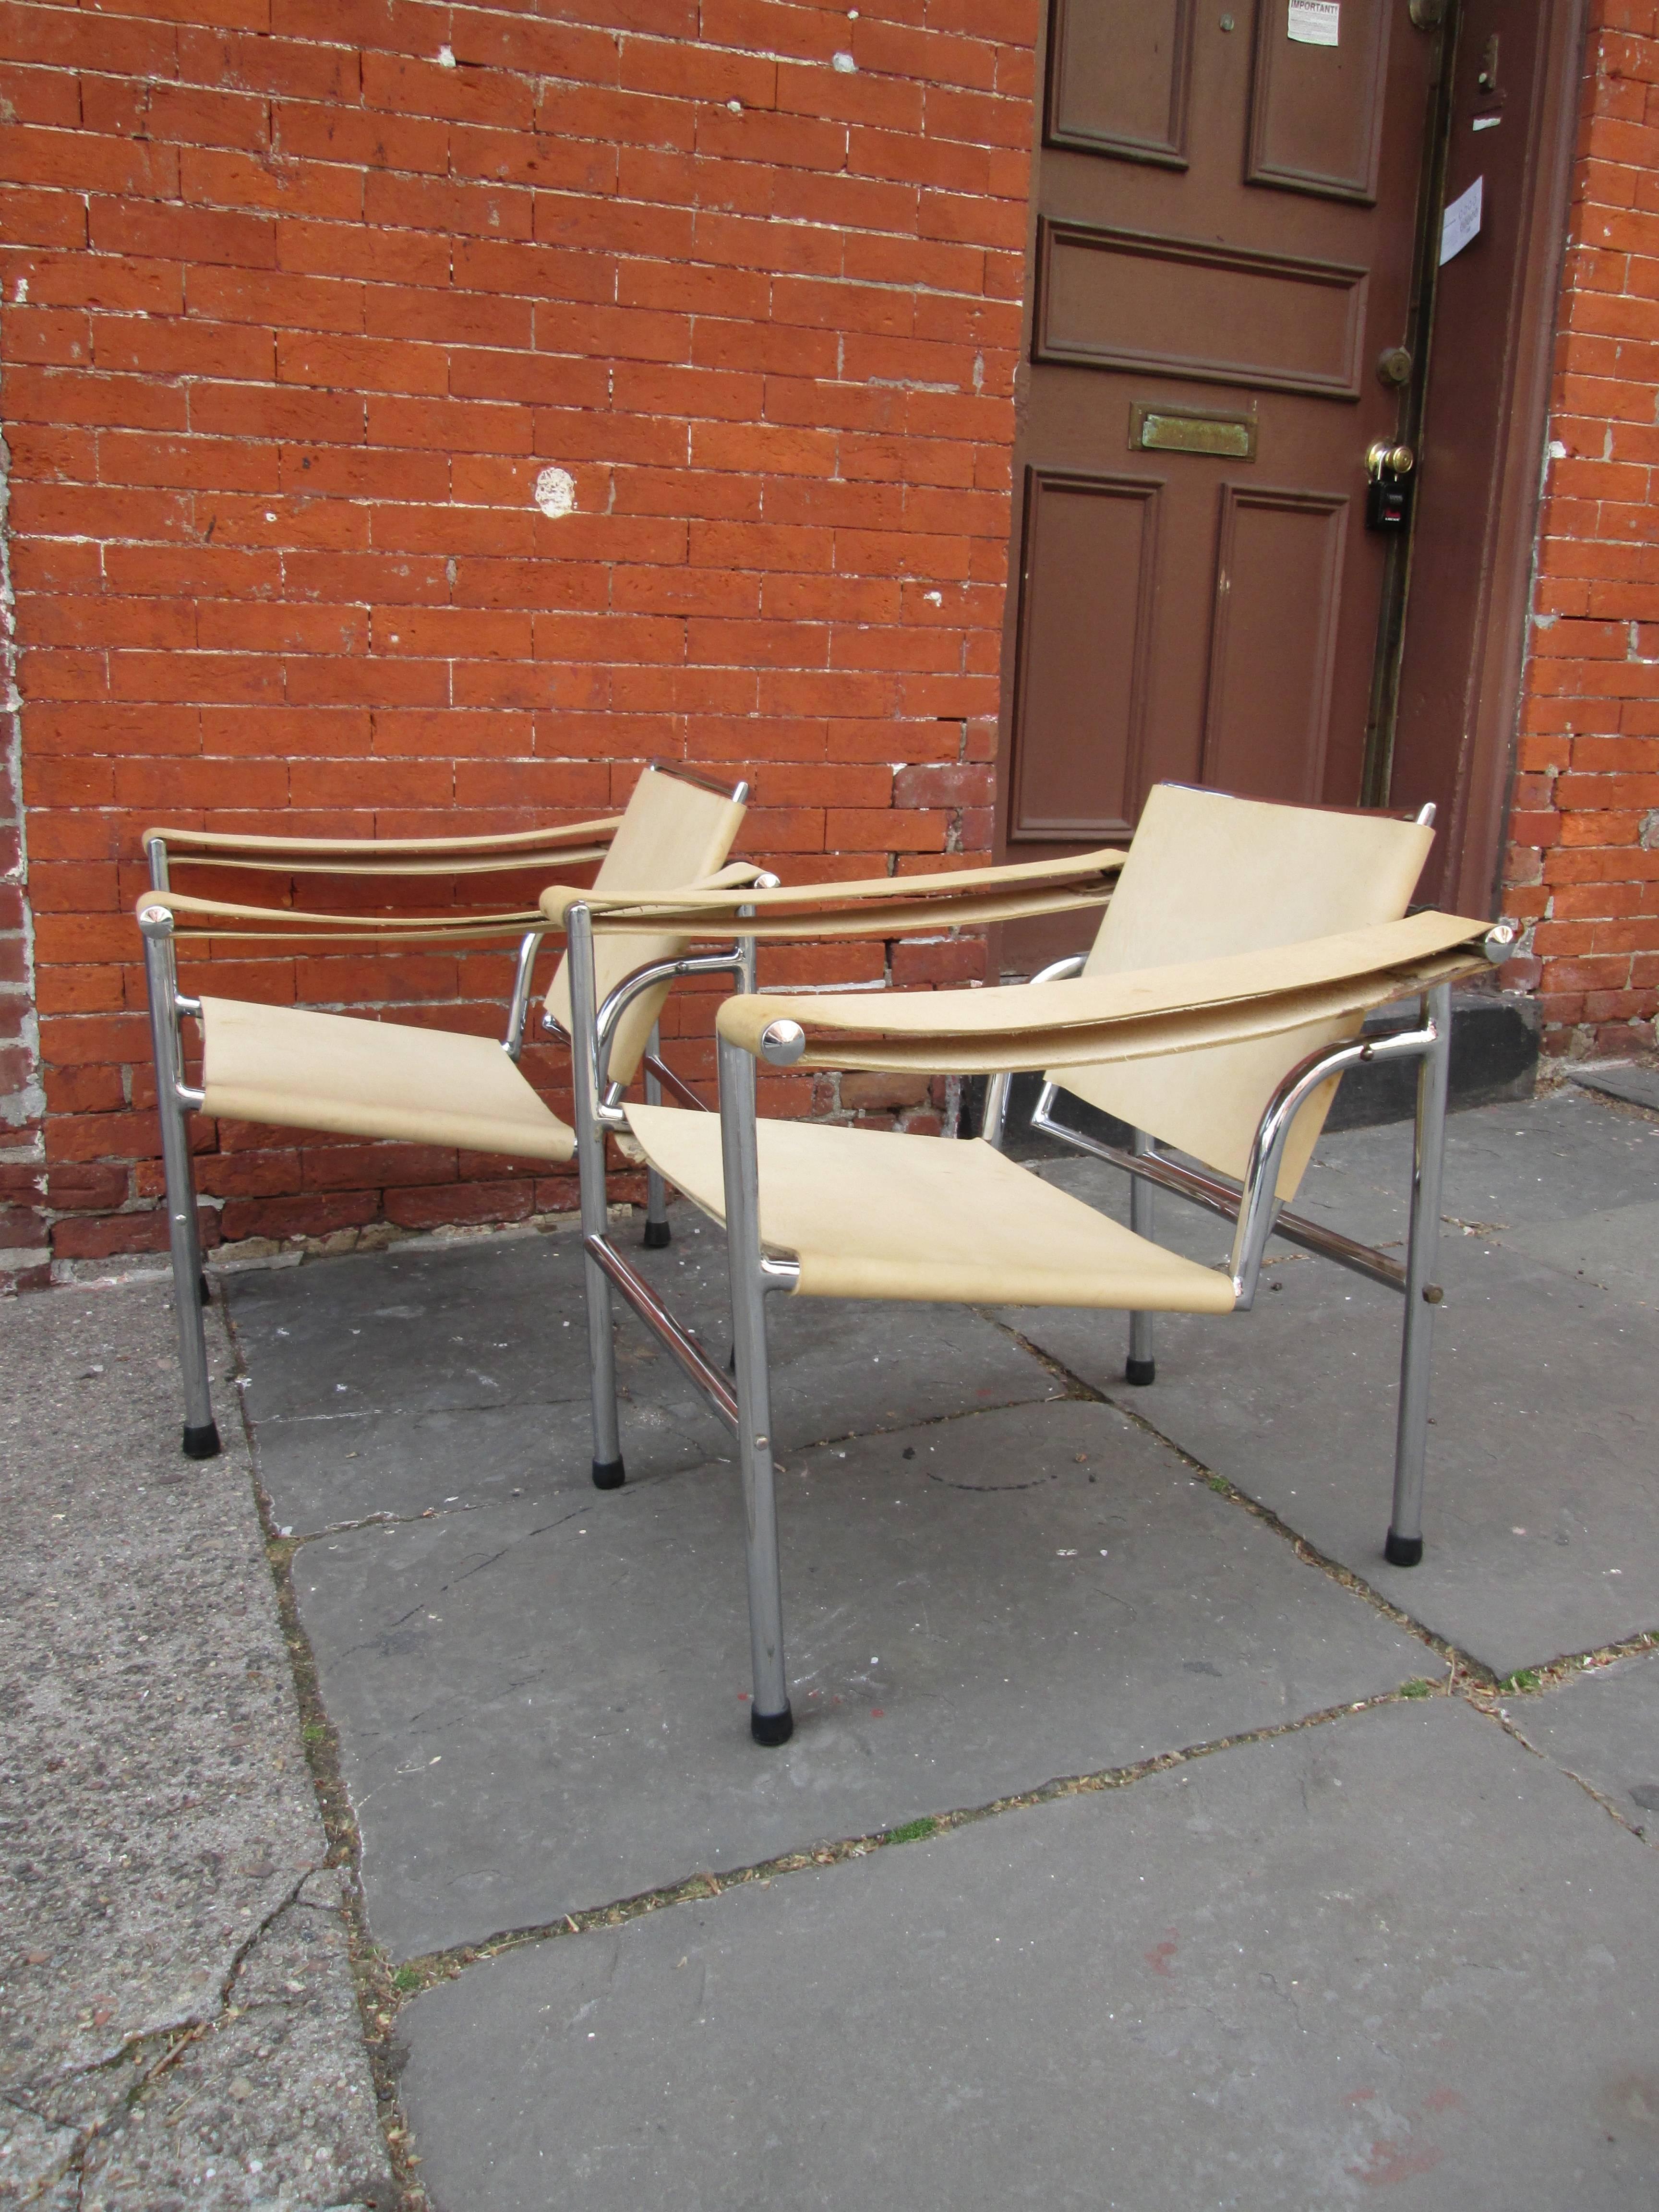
[[657, 1231], [1141, 1367], [657, 1318], [994, 1124], [609, 1015], [173, 1097], [519, 1010], [1259, 1212], [664, 1077], [608, 1470], [770, 1721], [598, 1109], [1423, 1294]]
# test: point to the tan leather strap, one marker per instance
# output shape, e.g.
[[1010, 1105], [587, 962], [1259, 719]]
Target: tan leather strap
[[878, 906], [1124, 1016], [325, 850]]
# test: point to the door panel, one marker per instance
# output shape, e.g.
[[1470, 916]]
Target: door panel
[[1316, 112], [1119, 77], [1227, 229], [1114, 299], [1092, 543], [1273, 640]]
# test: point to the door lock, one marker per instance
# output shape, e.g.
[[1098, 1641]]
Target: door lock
[[1388, 485]]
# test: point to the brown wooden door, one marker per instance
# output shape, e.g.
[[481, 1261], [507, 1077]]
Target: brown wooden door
[[1226, 234]]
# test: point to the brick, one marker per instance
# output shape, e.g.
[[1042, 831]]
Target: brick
[[862, 1091], [473, 1203]]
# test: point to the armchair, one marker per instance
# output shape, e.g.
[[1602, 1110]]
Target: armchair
[[337, 1073], [1229, 1049]]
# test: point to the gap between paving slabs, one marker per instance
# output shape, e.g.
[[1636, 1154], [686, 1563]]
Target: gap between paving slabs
[[554, 1725], [699, 1883]]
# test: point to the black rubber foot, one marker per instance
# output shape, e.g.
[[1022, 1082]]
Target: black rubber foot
[[1402, 1551], [1140, 1373], [608, 1474], [772, 1728], [202, 1443], [657, 1233]]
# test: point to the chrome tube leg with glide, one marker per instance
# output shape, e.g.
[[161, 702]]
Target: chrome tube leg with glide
[[770, 1721], [1404, 1547], [201, 1437], [1141, 1368], [657, 1230], [608, 1473]]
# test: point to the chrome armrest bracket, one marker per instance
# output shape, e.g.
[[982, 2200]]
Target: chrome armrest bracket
[[530, 945], [732, 963], [993, 1122], [1252, 1208], [1259, 1204]]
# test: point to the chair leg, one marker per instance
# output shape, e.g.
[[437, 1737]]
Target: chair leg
[[1404, 1547], [770, 1721], [1141, 1368], [201, 1434], [657, 1230], [609, 1471]]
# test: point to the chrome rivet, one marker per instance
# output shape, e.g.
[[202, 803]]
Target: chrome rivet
[[783, 1043]]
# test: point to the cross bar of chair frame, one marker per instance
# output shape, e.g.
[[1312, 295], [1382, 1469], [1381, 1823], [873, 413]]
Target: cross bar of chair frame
[[596, 1111]]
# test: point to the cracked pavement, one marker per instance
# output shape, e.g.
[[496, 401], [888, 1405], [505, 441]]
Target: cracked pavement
[[178, 2022]]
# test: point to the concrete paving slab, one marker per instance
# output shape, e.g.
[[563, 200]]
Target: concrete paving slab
[[1636, 1084], [1540, 1517], [1541, 1521], [260, 2112], [158, 1815], [1617, 1250], [542, 1710], [450, 1377], [1559, 1156], [1604, 1726], [1292, 1975]]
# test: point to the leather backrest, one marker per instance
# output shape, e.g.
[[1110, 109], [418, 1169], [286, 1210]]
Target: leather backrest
[[1209, 874], [672, 834]]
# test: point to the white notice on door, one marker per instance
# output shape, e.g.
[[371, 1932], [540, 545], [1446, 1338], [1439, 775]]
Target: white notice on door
[[1316, 22], [1461, 223]]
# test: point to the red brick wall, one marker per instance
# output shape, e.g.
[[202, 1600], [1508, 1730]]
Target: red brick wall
[[300, 298], [1583, 865]]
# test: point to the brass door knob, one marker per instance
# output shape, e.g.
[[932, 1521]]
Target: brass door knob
[[1384, 459]]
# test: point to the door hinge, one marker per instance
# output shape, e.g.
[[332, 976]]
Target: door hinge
[[1428, 14]]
